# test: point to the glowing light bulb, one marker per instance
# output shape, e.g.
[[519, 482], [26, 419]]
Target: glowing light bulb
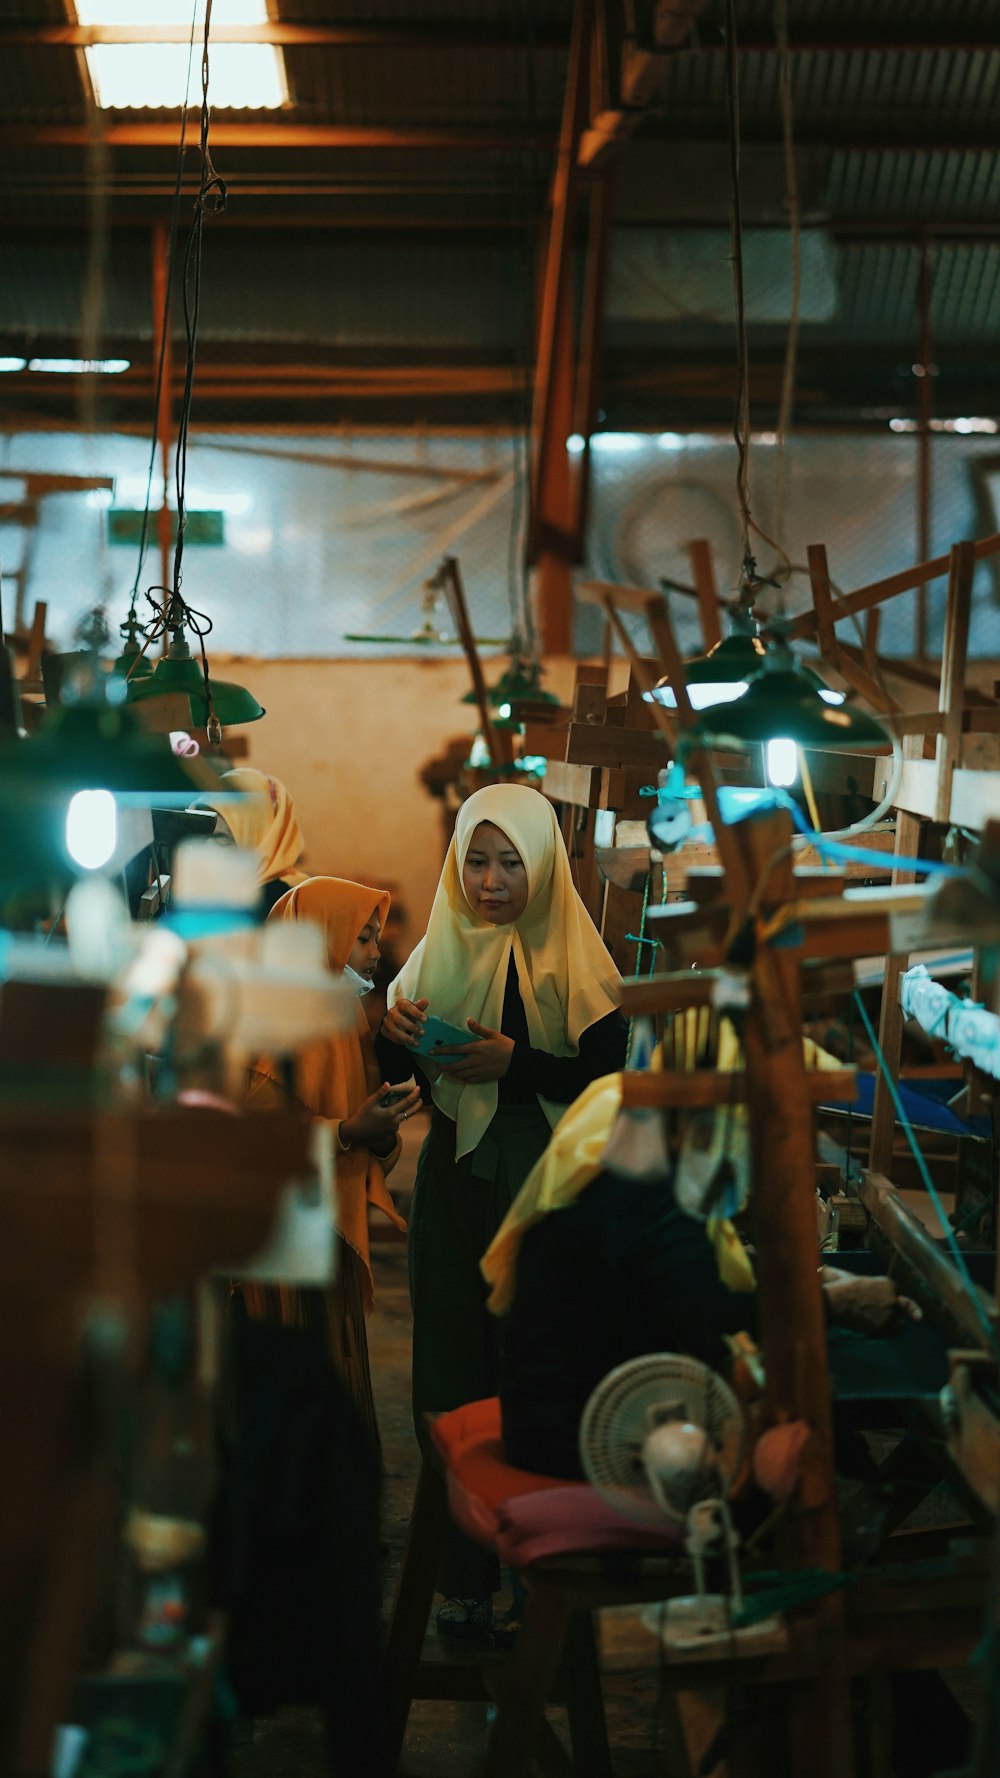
[[782, 763], [91, 828]]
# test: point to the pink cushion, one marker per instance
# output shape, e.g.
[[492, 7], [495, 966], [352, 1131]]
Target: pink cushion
[[521, 1515], [573, 1521]]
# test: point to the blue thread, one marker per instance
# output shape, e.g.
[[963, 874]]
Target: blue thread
[[924, 1171]]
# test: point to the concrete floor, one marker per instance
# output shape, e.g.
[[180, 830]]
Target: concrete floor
[[444, 1740]]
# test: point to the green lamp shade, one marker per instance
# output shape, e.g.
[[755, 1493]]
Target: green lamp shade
[[782, 701], [183, 676], [97, 745], [131, 664], [718, 677]]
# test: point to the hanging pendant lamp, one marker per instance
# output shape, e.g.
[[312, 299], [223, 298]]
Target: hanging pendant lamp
[[179, 672], [519, 683], [722, 674], [132, 664], [785, 701]]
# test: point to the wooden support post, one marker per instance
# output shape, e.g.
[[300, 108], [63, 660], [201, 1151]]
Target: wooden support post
[[591, 340], [925, 439], [792, 1320], [703, 575], [36, 641], [551, 538], [961, 569], [162, 335], [497, 740], [829, 647], [890, 1024]]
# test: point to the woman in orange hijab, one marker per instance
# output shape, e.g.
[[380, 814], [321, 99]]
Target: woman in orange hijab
[[339, 1080], [262, 820]]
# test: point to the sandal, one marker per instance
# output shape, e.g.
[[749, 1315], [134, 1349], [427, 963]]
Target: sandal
[[466, 1620]]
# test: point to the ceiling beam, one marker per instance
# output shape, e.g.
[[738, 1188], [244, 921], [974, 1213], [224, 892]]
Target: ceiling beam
[[757, 40], [366, 34], [435, 34], [278, 135], [965, 135]]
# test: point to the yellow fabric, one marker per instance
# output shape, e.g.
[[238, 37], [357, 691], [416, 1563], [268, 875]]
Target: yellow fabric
[[573, 1158], [333, 1078], [566, 975], [262, 821]]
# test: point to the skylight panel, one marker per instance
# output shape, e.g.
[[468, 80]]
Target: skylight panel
[[149, 75]]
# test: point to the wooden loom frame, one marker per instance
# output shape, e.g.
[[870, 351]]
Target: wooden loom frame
[[825, 926]]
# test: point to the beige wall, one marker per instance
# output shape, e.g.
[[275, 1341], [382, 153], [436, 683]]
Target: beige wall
[[349, 738]]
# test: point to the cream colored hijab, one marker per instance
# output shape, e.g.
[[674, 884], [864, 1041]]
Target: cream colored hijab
[[566, 975], [262, 820]]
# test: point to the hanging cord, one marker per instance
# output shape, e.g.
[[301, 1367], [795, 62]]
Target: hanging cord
[[928, 1183], [175, 212], [522, 196], [176, 613], [794, 207], [749, 529]]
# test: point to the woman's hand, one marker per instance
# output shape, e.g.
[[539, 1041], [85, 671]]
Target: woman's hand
[[477, 1062], [374, 1125], [404, 1022], [868, 1305]]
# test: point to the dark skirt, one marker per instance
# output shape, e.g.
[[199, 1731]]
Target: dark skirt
[[336, 1318], [457, 1208]]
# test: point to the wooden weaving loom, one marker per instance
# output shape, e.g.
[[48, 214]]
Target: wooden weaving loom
[[816, 925]]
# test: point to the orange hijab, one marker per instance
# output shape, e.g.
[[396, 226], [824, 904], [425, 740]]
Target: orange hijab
[[334, 1077], [262, 820]]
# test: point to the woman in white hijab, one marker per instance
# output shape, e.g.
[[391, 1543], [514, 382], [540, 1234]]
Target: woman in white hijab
[[512, 955]]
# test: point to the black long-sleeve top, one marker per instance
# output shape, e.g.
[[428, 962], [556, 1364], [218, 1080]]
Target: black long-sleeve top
[[620, 1272], [531, 1071]]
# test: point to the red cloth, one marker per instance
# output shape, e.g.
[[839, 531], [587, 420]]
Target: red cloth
[[521, 1515]]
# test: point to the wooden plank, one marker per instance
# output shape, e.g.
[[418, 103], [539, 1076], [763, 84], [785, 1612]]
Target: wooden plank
[[975, 795], [697, 1088], [880, 590], [942, 1284], [569, 783], [615, 747], [703, 575]]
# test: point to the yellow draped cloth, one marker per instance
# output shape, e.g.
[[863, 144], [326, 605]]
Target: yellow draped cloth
[[335, 1076], [567, 978], [573, 1158], [575, 1154], [262, 820]]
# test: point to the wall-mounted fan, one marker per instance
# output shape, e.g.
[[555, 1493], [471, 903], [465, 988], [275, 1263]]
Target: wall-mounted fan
[[435, 629], [661, 1439]]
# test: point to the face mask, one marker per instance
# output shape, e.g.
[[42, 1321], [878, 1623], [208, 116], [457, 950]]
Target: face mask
[[359, 983]]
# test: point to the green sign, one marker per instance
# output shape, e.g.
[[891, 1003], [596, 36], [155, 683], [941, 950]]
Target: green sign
[[203, 527]]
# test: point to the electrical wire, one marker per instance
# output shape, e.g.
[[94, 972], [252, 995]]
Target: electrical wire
[[749, 578], [210, 201], [793, 202], [175, 211]]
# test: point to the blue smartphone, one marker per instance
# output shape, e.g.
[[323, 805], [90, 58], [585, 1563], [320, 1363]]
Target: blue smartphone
[[438, 1034]]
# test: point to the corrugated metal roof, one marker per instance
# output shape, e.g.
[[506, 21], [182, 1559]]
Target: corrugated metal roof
[[838, 93], [909, 186]]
